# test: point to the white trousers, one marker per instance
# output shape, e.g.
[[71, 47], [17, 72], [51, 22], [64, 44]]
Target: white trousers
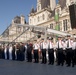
[[5, 53], [55, 55], [10, 53]]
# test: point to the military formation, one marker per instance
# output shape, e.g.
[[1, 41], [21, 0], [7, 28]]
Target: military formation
[[63, 52]]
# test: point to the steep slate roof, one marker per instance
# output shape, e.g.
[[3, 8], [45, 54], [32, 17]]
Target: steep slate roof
[[62, 3], [53, 13], [17, 19], [32, 10], [45, 3]]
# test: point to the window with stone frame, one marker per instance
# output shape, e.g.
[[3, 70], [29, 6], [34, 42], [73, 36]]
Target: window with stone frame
[[19, 29], [38, 18], [65, 24], [34, 20], [38, 7], [51, 25], [43, 17], [60, 24]]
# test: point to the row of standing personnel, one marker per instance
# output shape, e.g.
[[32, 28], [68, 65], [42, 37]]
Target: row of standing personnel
[[61, 52], [64, 51], [12, 51]]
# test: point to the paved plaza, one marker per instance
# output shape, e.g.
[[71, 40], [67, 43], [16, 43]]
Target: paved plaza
[[8, 67]]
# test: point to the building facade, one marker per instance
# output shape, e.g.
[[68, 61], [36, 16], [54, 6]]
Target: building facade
[[52, 15], [15, 33]]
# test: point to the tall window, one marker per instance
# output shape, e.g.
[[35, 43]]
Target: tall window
[[38, 7], [43, 16], [65, 24], [38, 18], [19, 29], [51, 26], [30, 21]]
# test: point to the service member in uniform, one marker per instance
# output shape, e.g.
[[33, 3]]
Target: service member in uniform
[[3, 55], [75, 51], [0, 51], [36, 49], [13, 52], [5, 51], [43, 47], [25, 51], [18, 51], [22, 52], [69, 45], [50, 51], [60, 55], [10, 51], [29, 52]]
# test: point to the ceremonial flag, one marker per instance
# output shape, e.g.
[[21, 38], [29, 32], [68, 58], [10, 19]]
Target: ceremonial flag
[[57, 27], [56, 17]]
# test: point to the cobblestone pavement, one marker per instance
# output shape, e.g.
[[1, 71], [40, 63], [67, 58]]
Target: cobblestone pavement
[[8, 67]]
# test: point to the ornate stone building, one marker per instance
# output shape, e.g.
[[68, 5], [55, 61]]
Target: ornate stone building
[[13, 32], [52, 15]]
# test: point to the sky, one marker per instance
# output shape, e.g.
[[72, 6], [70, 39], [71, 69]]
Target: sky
[[12, 8]]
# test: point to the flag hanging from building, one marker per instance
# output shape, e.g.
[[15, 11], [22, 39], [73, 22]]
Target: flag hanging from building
[[56, 17], [57, 27]]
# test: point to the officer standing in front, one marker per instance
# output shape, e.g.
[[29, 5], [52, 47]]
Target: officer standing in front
[[69, 44], [50, 51], [75, 51], [29, 52], [18, 51], [43, 47], [13, 52], [60, 55], [22, 52], [36, 49], [10, 51]]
